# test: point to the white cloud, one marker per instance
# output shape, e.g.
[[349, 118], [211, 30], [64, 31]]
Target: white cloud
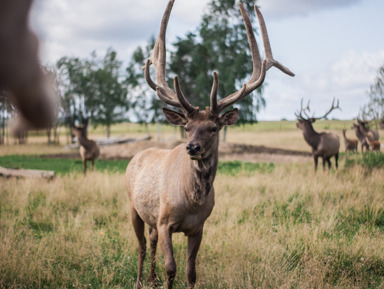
[[282, 9]]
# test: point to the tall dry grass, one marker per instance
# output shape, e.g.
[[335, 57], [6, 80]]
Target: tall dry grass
[[280, 228]]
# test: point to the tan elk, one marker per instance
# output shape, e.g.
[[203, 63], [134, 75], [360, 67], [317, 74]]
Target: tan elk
[[361, 137], [324, 144], [172, 190], [371, 134], [374, 145], [20, 71], [89, 150], [350, 144]]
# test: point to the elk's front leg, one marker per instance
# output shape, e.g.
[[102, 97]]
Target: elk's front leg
[[194, 242], [165, 237]]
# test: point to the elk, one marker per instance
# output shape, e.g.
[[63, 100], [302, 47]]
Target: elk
[[89, 150], [361, 137], [371, 134], [20, 71], [374, 145], [172, 190], [324, 144], [350, 144]]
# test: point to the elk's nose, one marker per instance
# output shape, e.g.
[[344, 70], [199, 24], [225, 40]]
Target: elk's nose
[[193, 148]]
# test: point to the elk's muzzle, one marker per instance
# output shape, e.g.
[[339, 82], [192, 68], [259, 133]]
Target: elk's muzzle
[[194, 151]]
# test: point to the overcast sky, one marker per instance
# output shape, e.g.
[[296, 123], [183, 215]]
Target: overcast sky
[[334, 47]]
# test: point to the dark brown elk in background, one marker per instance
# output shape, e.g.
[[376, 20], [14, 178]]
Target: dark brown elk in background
[[350, 144], [89, 150], [20, 71], [172, 190], [361, 137], [371, 134], [324, 144]]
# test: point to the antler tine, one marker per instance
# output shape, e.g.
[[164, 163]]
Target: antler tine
[[259, 68], [214, 108], [158, 59], [331, 109], [267, 46], [185, 105]]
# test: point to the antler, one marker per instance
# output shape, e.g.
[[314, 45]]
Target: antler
[[305, 109], [158, 59], [329, 111], [168, 96], [259, 68]]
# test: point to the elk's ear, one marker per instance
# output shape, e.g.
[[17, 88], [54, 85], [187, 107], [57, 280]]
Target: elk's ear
[[174, 117], [230, 117], [312, 120]]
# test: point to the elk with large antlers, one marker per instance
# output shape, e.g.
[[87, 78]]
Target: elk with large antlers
[[172, 190], [324, 144]]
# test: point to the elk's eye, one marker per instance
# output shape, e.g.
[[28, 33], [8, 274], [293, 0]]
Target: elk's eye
[[186, 129], [214, 129]]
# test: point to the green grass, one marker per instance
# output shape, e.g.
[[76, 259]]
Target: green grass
[[66, 166], [369, 160], [59, 165]]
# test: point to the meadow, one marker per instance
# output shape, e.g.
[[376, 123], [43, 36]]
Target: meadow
[[274, 225]]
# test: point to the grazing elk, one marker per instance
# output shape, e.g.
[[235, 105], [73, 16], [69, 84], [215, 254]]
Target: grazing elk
[[172, 190], [20, 71], [350, 144], [374, 145], [361, 137], [371, 134], [89, 150], [324, 144]]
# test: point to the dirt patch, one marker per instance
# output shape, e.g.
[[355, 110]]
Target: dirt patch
[[227, 151]]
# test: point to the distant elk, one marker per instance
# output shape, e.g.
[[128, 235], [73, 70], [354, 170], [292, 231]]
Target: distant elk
[[324, 144], [361, 137], [374, 145], [89, 150], [172, 190], [371, 134], [350, 144]]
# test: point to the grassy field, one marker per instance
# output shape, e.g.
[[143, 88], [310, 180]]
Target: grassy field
[[273, 225]]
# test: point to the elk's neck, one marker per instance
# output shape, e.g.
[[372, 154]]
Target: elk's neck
[[344, 136], [200, 175], [85, 142], [311, 136]]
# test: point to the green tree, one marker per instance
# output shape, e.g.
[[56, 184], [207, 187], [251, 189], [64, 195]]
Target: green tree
[[374, 109], [109, 103], [93, 89]]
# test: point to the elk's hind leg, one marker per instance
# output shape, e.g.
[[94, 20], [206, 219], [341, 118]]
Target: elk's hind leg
[[337, 161], [138, 226], [153, 237]]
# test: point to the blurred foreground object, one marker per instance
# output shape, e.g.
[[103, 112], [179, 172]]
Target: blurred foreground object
[[20, 71]]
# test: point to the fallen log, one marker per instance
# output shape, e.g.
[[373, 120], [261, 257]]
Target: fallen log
[[5, 172], [111, 141]]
